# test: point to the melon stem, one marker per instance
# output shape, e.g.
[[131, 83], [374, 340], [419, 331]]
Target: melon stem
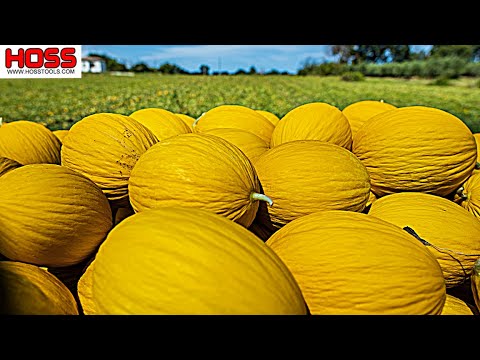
[[261, 197], [461, 193], [196, 120], [477, 164]]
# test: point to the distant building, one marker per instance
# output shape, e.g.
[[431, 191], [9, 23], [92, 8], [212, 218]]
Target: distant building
[[93, 64]]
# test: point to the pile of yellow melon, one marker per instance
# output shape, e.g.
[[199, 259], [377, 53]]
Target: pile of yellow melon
[[373, 209]]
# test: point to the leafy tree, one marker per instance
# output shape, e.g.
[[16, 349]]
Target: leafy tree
[[204, 69], [469, 52], [240, 72], [252, 70], [141, 67], [168, 68]]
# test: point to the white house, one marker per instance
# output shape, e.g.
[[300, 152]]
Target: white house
[[93, 64]]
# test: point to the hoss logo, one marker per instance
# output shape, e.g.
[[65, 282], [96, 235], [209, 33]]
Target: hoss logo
[[35, 58]]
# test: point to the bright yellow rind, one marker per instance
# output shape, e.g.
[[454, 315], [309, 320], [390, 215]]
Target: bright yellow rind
[[196, 170], [7, 165], [28, 142], [416, 148], [161, 122], [450, 228], [190, 261], [359, 112], [30, 290], [274, 119], [352, 263], [187, 119], [455, 306], [313, 121]]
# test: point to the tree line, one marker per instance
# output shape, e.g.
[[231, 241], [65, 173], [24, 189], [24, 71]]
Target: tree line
[[448, 61]]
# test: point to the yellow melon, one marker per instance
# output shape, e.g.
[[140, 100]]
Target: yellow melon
[[237, 117], [313, 121], [187, 119], [305, 176], [352, 263], [162, 123], [475, 283], [28, 142], [468, 195], [359, 112], [7, 165], [105, 147], [84, 290], [455, 306], [416, 148], [60, 134], [29, 290], [250, 144], [51, 215], [477, 141], [274, 119], [450, 232], [371, 199], [197, 170], [189, 261]]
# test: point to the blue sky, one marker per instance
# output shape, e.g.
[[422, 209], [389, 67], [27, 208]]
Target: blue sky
[[220, 57]]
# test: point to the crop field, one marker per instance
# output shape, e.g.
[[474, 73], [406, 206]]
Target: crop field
[[58, 103]]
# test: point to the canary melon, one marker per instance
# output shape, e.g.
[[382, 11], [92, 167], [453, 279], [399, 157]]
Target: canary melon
[[200, 171], [477, 141], [161, 122], [29, 290], [455, 306], [416, 148], [178, 261], [250, 144], [51, 215], [28, 142], [84, 290], [447, 230], [305, 176], [105, 147], [313, 121], [237, 117], [350, 263], [359, 112], [7, 165]]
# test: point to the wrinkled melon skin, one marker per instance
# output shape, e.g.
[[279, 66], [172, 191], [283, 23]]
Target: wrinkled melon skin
[[29, 290], [104, 147], [51, 215], [416, 148], [351, 263], [161, 122], [28, 142], [475, 283], [305, 176], [468, 196], [359, 112], [455, 306], [196, 170], [84, 290], [250, 144], [313, 121], [477, 141], [7, 165], [174, 261], [452, 232], [237, 117]]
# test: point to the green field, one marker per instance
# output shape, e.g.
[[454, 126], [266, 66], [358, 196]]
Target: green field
[[58, 103]]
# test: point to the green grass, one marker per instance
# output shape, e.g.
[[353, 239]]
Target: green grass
[[58, 103]]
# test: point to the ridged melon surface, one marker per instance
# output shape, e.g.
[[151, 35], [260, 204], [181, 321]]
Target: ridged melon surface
[[199, 171], [352, 263], [416, 148], [161, 122], [7, 165], [313, 121], [359, 112], [452, 233], [27, 289], [51, 215], [105, 147], [274, 119], [455, 306], [190, 261], [306, 176], [468, 195], [28, 142]]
